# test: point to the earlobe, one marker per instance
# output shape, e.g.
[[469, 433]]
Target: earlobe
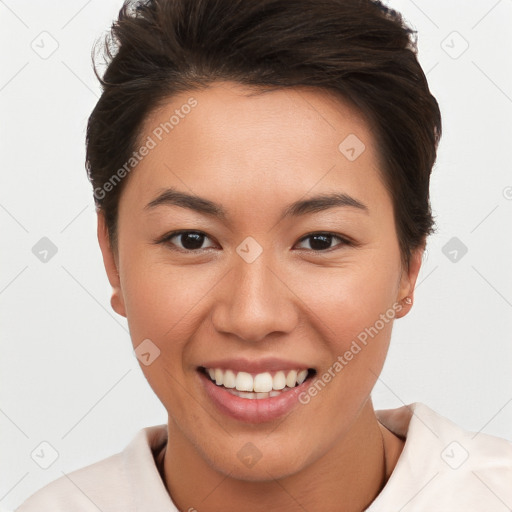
[[408, 282], [111, 266]]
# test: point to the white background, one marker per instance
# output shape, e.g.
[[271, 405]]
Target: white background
[[68, 375]]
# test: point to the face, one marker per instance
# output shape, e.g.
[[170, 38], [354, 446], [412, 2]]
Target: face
[[251, 245]]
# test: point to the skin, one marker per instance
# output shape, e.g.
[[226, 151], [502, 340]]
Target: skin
[[254, 154]]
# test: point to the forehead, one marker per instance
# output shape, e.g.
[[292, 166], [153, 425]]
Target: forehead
[[228, 140]]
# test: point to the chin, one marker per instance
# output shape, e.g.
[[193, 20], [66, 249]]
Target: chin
[[259, 458]]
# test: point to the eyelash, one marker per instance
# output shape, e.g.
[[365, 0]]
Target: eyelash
[[166, 240]]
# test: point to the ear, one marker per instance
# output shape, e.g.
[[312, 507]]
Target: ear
[[111, 265], [408, 282]]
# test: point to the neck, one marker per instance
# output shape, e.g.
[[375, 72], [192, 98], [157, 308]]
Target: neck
[[347, 478]]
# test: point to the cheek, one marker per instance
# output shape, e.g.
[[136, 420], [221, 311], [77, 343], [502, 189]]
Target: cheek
[[161, 299], [351, 314], [165, 304], [347, 300], [160, 308], [348, 316]]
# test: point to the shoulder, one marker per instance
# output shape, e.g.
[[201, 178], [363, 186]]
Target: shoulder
[[87, 489], [445, 467], [459, 446], [120, 482]]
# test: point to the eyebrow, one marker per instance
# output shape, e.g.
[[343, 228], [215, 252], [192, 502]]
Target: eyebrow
[[173, 197]]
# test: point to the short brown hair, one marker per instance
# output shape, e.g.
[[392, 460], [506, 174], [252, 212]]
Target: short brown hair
[[359, 49]]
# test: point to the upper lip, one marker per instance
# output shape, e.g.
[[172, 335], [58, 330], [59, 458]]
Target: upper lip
[[269, 364]]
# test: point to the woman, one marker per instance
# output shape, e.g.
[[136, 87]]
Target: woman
[[261, 175]]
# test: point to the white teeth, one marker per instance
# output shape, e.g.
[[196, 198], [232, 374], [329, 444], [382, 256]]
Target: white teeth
[[252, 396], [242, 394], [301, 376], [291, 379], [244, 381], [279, 381], [263, 383], [229, 379]]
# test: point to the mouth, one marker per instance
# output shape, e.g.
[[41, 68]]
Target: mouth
[[258, 386], [249, 397]]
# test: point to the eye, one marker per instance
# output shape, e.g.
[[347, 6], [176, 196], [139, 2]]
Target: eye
[[322, 241], [187, 240], [194, 241]]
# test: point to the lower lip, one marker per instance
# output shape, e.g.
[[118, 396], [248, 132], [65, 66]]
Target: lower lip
[[256, 410]]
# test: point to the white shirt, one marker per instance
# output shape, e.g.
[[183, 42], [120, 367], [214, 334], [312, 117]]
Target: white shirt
[[442, 468]]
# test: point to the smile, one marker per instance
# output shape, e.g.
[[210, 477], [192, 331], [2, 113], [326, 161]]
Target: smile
[[254, 390], [257, 386]]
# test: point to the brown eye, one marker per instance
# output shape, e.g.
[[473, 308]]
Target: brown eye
[[321, 241], [187, 240], [191, 241]]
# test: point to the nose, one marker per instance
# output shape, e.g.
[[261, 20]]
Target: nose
[[255, 302]]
